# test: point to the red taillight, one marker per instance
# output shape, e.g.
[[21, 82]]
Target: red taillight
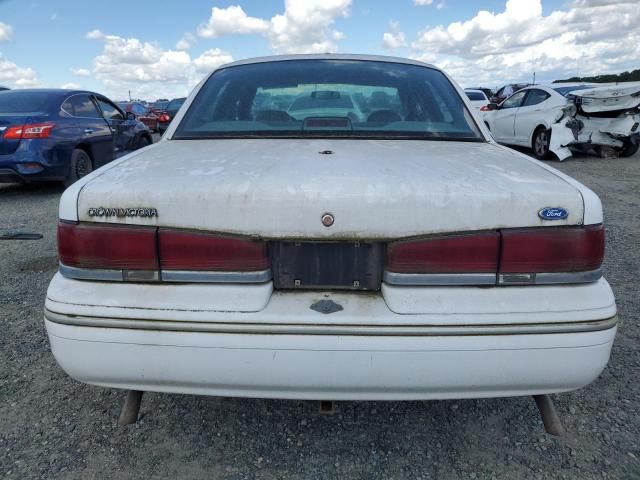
[[473, 253], [25, 132], [207, 252], [164, 117], [549, 250], [485, 108], [108, 247]]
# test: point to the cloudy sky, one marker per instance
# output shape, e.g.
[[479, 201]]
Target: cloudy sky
[[162, 49]]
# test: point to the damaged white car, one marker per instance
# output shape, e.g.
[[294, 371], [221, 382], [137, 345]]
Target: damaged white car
[[557, 119]]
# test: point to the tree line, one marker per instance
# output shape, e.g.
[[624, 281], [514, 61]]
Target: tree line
[[632, 76]]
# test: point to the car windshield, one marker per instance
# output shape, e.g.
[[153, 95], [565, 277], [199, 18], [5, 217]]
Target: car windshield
[[12, 101], [475, 95], [345, 98], [565, 90]]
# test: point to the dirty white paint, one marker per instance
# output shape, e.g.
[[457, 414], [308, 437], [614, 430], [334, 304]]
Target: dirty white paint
[[374, 188], [394, 305]]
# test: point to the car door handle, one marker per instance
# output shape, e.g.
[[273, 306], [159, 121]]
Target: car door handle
[[88, 131]]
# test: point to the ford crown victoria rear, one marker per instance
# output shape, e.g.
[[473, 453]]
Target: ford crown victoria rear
[[361, 250]]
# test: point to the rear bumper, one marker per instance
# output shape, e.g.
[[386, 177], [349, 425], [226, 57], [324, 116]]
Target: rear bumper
[[8, 175], [356, 363]]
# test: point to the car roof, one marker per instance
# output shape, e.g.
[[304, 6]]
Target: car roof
[[327, 56], [54, 91]]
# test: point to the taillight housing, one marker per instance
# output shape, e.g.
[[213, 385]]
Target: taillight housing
[[197, 251], [164, 117], [529, 252], [485, 108], [471, 253], [138, 253], [26, 132], [505, 257]]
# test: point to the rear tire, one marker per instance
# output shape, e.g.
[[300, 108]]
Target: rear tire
[[143, 141], [629, 149], [80, 166], [540, 144]]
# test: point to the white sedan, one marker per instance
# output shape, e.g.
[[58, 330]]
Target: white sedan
[[477, 98], [551, 120], [403, 256]]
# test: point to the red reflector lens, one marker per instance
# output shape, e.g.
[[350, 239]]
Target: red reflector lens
[[107, 246], [206, 252], [474, 253], [164, 117], [552, 250]]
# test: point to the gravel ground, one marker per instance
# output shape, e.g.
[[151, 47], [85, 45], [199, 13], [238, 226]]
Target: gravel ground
[[53, 427]]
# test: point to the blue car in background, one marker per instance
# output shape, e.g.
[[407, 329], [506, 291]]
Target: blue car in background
[[53, 134]]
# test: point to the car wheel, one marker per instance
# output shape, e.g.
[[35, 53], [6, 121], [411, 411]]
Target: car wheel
[[540, 144], [80, 166], [629, 149], [143, 141]]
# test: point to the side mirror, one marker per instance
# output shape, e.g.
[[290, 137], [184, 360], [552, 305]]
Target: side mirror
[[130, 116]]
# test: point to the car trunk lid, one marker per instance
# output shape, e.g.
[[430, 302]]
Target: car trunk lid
[[374, 189], [608, 99]]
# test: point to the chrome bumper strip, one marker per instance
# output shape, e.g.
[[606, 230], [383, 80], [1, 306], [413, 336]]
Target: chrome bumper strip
[[364, 330], [215, 277], [425, 279], [460, 279], [166, 275]]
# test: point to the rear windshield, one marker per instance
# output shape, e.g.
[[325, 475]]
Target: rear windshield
[[299, 98], [565, 90], [175, 104], [14, 101], [475, 95]]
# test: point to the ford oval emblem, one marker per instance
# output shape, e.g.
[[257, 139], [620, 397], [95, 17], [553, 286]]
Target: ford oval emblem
[[553, 213]]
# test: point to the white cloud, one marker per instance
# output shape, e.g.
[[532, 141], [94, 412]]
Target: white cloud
[[303, 27], [211, 59], [6, 32], [185, 43], [16, 76], [94, 35], [81, 72], [231, 20], [147, 69], [70, 86], [394, 39], [588, 37], [422, 2]]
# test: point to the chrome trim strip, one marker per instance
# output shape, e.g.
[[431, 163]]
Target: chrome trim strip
[[315, 329], [393, 278], [90, 274], [549, 278], [165, 275], [215, 277]]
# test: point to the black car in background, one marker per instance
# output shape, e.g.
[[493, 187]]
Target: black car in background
[[165, 118], [54, 134]]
